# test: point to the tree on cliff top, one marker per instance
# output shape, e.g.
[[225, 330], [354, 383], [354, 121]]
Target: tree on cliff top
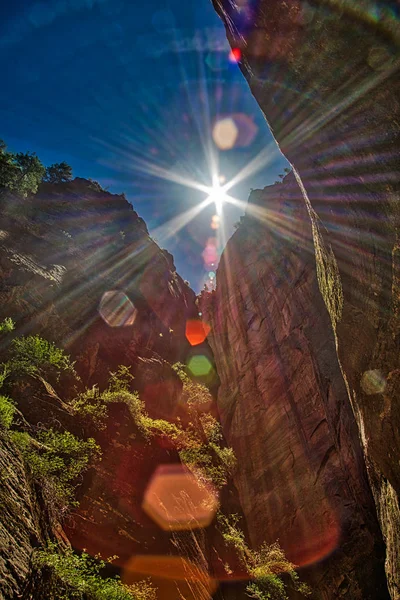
[[21, 172], [58, 173]]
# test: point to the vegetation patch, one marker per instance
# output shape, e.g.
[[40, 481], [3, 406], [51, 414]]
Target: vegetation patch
[[7, 411], [33, 355], [81, 576], [7, 325], [55, 460], [265, 565], [199, 442]]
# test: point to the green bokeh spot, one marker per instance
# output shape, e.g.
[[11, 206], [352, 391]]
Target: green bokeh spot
[[199, 365]]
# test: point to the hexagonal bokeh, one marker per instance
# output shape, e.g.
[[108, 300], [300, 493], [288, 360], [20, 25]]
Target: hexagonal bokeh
[[215, 61], [199, 365], [174, 576], [196, 331], [225, 133], [235, 55], [247, 129], [373, 382], [236, 131], [177, 500], [116, 309], [379, 58]]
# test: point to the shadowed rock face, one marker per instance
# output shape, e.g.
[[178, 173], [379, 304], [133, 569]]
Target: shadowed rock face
[[326, 76], [77, 265]]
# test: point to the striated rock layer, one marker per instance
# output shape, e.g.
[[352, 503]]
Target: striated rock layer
[[326, 76]]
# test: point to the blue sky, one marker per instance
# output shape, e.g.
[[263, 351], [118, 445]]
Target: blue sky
[[124, 91]]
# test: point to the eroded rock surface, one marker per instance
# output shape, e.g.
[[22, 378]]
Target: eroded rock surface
[[20, 529]]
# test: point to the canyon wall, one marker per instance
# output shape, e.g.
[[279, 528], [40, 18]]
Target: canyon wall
[[78, 267], [283, 403], [326, 76]]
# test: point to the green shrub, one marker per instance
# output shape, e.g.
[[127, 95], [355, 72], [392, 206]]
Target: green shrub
[[56, 459], [91, 408], [82, 573], [7, 325], [211, 427], [4, 373], [214, 463], [271, 588], [120, 380], [151, 427], [264, 565], [180, 369], [92, 405], [194, 394], [234, 536], [33, 355], [131, 399], [7, 411]]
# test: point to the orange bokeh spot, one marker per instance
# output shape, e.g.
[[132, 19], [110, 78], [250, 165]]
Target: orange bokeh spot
[[235, 55], [187, 576], [177, 500], [196, 331], [215, 223]]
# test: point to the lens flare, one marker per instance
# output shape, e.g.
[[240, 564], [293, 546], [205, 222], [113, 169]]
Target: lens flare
[[177, 500], [196, 331], [235, 55], [217, 195]]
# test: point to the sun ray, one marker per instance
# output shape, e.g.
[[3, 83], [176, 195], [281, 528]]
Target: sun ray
[[171, 227], [262, 160]]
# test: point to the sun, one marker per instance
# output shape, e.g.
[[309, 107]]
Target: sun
[[217, 195]]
